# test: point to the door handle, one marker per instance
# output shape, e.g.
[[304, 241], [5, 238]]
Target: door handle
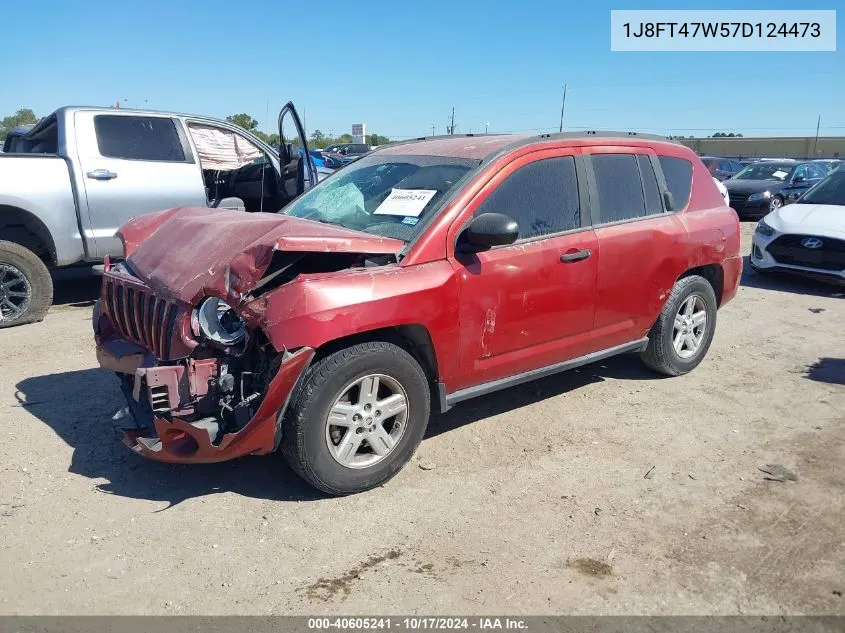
[[101, 174], [577, 256]]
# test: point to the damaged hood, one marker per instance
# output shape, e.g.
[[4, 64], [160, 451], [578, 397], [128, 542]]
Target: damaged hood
[[187, 253]]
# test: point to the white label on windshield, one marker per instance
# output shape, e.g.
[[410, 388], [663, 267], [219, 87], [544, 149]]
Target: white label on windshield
[[405, 202], [780, 174]]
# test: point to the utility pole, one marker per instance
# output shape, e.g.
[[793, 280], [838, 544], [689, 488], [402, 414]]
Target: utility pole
[[432, 129], [486, 125], [816, 144], [562, 106], [452, 126]]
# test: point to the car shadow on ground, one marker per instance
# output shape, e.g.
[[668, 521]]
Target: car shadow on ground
[[830, 370], [784, 282], [78, 290], [78, 406], [624, 367]]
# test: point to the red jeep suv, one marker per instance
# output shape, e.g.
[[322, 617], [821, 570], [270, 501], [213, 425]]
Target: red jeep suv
[[424, 274]]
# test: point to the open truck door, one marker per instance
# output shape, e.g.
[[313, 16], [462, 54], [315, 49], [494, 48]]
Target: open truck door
[[297, 170]]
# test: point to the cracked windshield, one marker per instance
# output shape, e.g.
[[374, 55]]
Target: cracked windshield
[[388, 197]]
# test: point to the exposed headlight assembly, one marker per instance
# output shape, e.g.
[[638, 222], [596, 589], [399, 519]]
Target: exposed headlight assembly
[[764, 229], [763, 195], [218, 322]]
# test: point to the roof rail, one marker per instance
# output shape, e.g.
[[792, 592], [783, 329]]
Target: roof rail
[[435, 138], [607, 134], [524, 140]]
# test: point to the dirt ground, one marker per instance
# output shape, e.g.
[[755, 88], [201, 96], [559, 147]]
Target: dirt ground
[[539, 502]]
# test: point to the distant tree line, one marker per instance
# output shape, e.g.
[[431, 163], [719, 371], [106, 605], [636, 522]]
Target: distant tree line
[[729, 135], [24, 116], [317, 140]]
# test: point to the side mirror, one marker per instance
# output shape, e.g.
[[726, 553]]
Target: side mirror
[[488, 230]]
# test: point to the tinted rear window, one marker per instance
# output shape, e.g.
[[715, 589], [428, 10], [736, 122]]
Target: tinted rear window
[[138, 138], [619, 187], [652, 192], [678, 174]]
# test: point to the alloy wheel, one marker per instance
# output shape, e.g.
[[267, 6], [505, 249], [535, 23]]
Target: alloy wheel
[[15, 293], [366, 421], [690, 326]]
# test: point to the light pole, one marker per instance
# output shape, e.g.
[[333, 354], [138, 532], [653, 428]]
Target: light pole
[[486, 125]]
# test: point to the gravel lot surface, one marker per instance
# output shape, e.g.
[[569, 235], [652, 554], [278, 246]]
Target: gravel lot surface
[[603, 490]]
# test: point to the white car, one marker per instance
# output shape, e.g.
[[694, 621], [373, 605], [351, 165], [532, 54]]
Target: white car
[[723, 190], [807, 237]]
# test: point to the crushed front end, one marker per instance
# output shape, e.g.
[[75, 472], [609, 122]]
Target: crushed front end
[[201, 385]]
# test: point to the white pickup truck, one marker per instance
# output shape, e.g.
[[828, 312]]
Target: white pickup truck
[[72, 180]]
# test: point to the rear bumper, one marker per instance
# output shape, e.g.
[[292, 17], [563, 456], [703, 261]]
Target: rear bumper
[[189, 432], [732, 272]]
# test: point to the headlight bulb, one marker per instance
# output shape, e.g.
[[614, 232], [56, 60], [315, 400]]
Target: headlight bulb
[[219, 322]]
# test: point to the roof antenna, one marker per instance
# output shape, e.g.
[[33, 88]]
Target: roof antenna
[[562, 106]]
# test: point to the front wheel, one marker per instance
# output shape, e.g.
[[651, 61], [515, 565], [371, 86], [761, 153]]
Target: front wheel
[[26, 289], [775, 203], [680, 338], [357, 419]]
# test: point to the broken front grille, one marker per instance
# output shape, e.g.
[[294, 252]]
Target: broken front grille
[[141, 317]]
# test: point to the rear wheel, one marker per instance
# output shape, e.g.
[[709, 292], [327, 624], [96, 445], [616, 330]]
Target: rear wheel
[[680, 338], [358, 418], [26, 289]]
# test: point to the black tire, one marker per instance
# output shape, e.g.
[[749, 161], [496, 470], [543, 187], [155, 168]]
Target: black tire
[[775, 203], [304, 441], [37, 278], [660, 355]]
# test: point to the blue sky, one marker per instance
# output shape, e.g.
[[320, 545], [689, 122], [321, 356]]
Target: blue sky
[[401, 66]]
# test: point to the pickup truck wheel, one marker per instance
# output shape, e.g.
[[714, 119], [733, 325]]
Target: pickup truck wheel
[[357, 419], [26, 289], [680, 338]]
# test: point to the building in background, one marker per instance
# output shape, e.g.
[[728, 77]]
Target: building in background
[[801, 147]]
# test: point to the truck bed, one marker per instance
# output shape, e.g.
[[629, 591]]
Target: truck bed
[[40, 185]]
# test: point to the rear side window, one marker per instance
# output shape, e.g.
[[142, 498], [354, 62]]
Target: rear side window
[[818, 171], [138, 138], [542, 197], [678, 174], [652, 193], [620, 189]]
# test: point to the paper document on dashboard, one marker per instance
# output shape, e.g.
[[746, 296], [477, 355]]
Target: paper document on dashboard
[[405, 202]]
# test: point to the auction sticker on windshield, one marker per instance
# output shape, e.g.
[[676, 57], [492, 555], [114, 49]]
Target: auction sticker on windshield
[[405, 202], [779, 174]]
